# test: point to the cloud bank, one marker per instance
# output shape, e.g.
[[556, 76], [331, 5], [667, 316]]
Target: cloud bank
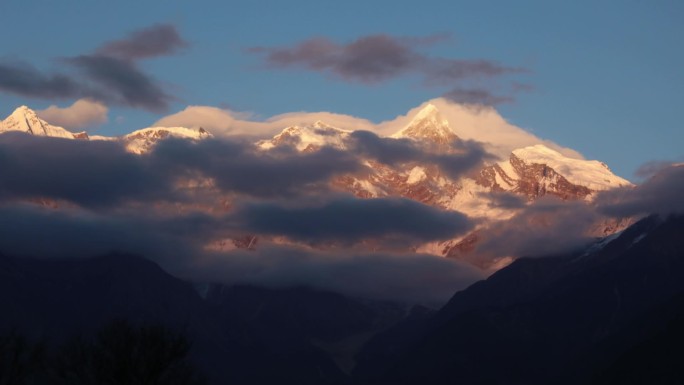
[[183, 203], [82, 113]]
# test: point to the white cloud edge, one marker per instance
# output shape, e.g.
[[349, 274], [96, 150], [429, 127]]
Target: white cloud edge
[[483, 124]]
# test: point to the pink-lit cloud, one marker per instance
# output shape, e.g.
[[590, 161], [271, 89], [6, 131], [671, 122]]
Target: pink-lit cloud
[[82, 113]]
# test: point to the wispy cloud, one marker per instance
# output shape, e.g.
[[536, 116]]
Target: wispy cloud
[[157, 40], [122, 82], [476, 96], [23, 79], [110, 75], [378, 58]]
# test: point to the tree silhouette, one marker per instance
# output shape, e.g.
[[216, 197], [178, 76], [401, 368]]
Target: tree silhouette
[[123, 354], [21, 362]]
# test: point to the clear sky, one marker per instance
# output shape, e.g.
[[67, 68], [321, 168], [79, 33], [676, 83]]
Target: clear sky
[[602, 77]]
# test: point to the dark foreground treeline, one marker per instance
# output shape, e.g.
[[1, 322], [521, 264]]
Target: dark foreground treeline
[[119, 354], [613, 314]]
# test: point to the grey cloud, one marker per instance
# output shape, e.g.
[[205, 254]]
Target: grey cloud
[[404, 277], [476, 96], [352, 220], [239, 167], [661, 194], [448, 70], [157, 40], [110, 76], [36, 232], [94, 173], [25, 80], [102, 174], [177, 247], [123, 81], [546, 227], [377, 58], [461, 157], [505, 200], [369, 59]]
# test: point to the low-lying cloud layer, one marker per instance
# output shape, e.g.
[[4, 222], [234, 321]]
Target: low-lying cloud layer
[[102, 199], [351, 220], [183, 203]]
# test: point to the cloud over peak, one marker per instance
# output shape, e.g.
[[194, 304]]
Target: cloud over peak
[[82, 113]]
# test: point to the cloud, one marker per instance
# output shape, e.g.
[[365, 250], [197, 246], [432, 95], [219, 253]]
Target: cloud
[[110, 75], [36, 232], [352, 220], [369, 59], [97, 173], [25, 80], [476, 97], [481, 124], [82, 113], [176, 246], [239, 167], [375, 59], [103, 174], [461, 157], [226, 123], [403, 277], [661, 194], [217, 120], [550, 226], [547, 227], [157, 40], [122, 81]]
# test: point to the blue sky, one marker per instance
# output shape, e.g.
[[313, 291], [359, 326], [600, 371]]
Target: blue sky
[[604, 77]]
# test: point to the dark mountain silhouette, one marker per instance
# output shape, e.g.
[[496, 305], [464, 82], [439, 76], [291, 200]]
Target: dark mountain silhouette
[[569, 319], [239, 335]]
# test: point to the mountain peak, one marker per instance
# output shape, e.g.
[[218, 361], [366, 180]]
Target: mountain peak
[[321, 124], [24, 119], [24, 112], [589, 173], [428, 124], [425, 112]]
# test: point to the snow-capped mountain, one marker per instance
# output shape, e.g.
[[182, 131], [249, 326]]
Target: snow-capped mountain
[[428, 125], [308, 138], [529, 172], [537, 170], [24, 119], [142, 141]]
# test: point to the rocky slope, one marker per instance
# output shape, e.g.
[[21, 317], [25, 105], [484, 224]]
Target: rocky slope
[[529, 173]]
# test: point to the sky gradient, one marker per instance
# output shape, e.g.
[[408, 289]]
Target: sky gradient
[[603, 78]]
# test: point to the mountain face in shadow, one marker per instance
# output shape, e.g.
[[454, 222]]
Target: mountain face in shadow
[[565, 320], [613, 313], [242, 335]]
